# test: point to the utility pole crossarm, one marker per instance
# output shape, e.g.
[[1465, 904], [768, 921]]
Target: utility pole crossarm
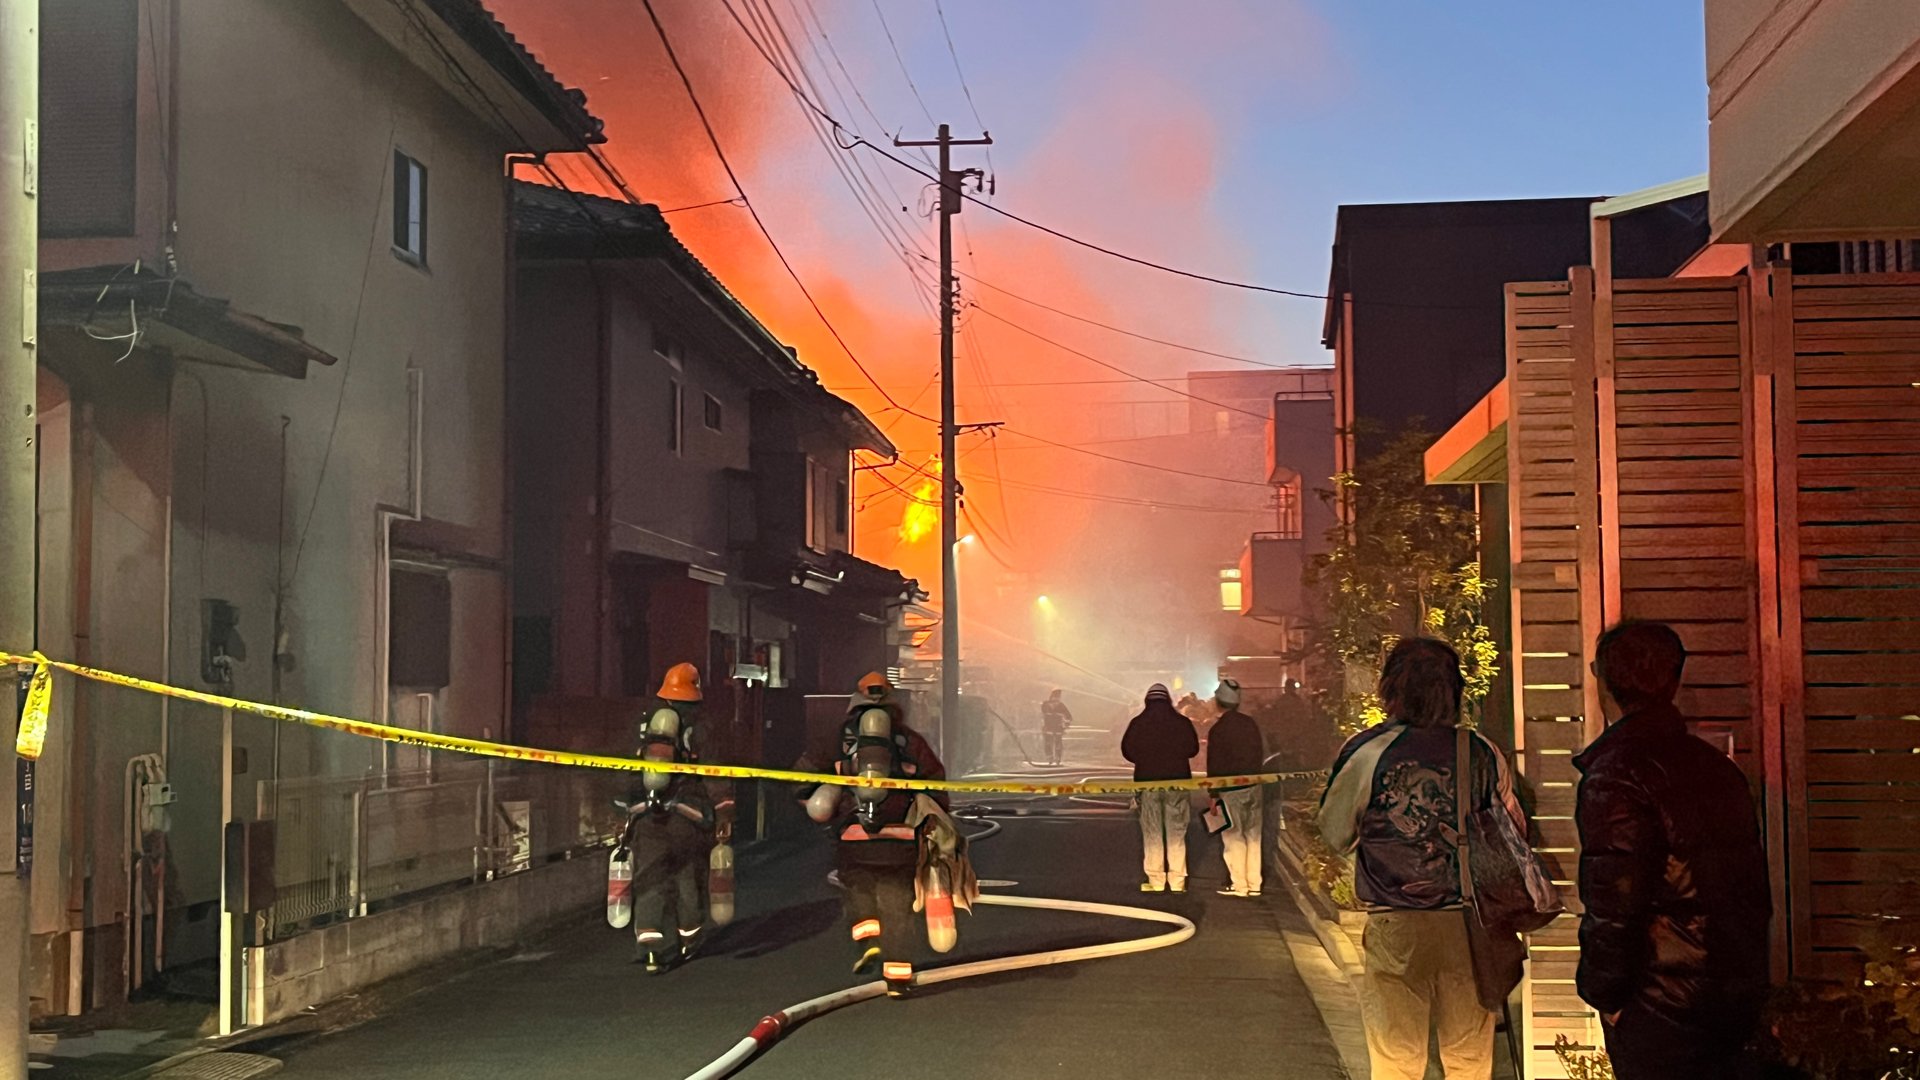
[[950, 203]]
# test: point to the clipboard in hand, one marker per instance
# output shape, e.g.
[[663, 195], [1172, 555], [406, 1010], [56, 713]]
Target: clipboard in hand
[[1216, 819]]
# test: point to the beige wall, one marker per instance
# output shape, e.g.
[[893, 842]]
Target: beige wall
[[289, 117], [1812, 126]]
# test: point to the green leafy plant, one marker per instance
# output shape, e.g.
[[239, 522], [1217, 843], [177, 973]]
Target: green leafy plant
[[1403, 561], [1581, 1062], [1326, 871]]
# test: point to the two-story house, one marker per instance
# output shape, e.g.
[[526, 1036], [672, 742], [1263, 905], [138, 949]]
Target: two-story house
[[275, 246], [682, 492]]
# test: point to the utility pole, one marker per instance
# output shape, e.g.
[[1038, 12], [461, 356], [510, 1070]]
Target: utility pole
[[951, 200], [19, 267]]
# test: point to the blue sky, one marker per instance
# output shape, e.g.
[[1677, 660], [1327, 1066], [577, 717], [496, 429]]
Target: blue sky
[[1383, 100]]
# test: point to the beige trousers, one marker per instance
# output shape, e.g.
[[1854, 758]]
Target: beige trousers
[[1163, 835], [1241, 842], [1419, 974]]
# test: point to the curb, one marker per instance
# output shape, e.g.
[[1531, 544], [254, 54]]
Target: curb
[[1320, 915]]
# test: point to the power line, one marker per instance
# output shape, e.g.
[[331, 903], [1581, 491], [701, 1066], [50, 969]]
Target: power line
[[977, 280], [865, 193], [1115, 367], [902, 61], [947, 32], [859, 140], [1121, 500], [1137, 464], [735, 201], [714, 139]]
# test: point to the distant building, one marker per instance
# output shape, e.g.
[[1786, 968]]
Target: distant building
[[1416, 297]]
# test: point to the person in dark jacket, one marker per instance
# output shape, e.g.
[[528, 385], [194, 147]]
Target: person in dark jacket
[[1673, 876], [1235, 748], [1392, 801], [1055, 719], [1161, 743]]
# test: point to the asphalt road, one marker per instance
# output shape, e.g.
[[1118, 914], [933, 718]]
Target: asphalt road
[[1226, 1004]]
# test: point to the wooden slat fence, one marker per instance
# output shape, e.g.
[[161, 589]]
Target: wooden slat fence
[[1630, 465]]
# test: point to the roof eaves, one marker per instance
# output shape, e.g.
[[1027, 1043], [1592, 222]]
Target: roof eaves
[[563, 106]]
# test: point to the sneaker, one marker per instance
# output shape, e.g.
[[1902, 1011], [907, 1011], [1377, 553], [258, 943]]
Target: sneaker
[[1153, 886], [1253, 892], [1230, 891], [866, 959], [1178, 886]]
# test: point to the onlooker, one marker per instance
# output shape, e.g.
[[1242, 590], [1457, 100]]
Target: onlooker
[[1234, 749], [1055, 719], [1392, 800], [1160, 743], [1673, 944]]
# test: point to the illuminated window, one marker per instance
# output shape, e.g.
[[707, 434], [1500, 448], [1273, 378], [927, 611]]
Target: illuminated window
[[1230, 586]]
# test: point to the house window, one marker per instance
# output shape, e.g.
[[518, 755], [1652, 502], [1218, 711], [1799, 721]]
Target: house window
[[88, 124], [1230, 589], [713, 413], [842, 507], [409, 209], [820, 514], [419, 629], [676, 420], [1286, 505]]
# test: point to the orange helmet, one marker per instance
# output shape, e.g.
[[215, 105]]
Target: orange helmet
[[681, 684], [875, 687]]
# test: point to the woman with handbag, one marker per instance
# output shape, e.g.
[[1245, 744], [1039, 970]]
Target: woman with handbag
[[1395, 803]]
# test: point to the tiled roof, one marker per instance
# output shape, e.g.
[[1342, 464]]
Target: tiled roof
[[488, 36], [552, 223]]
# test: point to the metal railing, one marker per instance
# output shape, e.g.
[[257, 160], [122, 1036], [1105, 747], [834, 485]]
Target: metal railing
[[346, 845]]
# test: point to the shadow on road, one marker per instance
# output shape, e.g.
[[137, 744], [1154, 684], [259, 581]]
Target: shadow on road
[[776, 930]]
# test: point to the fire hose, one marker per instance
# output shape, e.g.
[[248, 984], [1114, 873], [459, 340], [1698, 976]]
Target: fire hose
[[772, 1027]]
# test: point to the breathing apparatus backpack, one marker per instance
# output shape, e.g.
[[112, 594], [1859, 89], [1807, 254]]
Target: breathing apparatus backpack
[[873, 747], [667, 737]]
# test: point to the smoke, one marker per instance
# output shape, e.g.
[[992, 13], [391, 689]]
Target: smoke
[[1113, 121]]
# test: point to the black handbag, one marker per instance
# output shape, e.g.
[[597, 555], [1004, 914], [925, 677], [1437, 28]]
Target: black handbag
[[1505, 892]]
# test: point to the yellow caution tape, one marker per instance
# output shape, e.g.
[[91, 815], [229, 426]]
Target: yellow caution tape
[[32, 736], [43, 693]]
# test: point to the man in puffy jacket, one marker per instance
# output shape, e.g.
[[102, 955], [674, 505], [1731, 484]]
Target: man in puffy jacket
[[1673, 943], [1160, 743]]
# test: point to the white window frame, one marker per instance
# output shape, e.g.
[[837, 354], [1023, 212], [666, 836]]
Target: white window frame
[[410, 208]]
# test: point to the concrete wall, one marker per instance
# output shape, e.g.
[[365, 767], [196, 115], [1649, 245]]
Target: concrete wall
[[329, 963]]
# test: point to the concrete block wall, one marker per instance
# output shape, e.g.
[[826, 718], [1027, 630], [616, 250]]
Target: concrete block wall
[[325, 964]]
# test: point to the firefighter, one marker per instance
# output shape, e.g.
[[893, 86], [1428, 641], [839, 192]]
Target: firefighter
[[879, 852], [1055, 719], [672, 826]]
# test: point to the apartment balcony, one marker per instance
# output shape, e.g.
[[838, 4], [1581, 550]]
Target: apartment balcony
[[1815, 119], [1270, 576]]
